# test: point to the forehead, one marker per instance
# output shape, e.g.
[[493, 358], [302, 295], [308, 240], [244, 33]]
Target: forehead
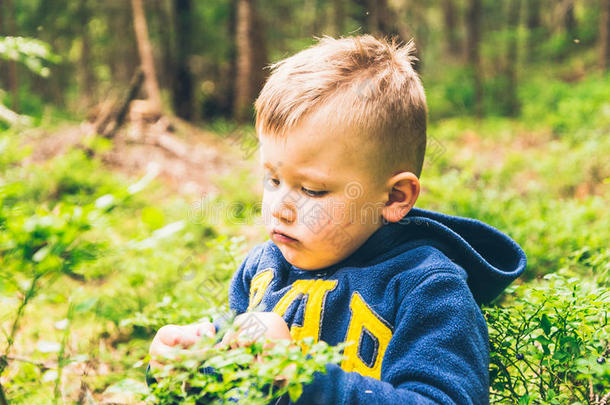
[[315, 149]]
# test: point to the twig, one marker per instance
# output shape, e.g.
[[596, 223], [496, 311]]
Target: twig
[[61, 356], [511, 388], [119, 111], [134, 88], [38, 364], [11, 338], [2, 397]]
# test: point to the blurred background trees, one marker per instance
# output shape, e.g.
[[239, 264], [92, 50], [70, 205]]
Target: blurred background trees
[[207, 58]]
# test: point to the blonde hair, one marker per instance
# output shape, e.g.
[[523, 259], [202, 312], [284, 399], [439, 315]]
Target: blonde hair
[[365, 83]]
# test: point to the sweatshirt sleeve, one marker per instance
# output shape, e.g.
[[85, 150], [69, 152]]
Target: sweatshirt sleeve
[[438, 354]]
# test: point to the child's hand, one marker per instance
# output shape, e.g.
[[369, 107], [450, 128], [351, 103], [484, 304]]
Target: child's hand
[[256, 325], [172, 337]]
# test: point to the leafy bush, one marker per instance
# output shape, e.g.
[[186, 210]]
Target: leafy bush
[[248, 373], [551, 340], [578, 111], [38, 248], [46, 235], [31, 52], [453, 96]]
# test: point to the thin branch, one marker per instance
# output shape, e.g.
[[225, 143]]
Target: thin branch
[[11, 338], [2, 397], [37, 363]]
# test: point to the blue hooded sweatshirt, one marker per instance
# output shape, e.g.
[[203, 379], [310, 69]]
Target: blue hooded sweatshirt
[[409, 300]]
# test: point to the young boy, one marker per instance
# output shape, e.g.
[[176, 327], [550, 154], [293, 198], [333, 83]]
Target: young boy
[[342, 130]]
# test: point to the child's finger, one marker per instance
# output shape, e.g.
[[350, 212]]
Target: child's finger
[[232, 340], [161, 351], [205, 329], [170, 335], [161, 354], [227, 338], [188, 336], [191, 334], [283, 379]]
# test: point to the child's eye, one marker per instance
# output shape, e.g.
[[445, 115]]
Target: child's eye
[[272, 181], [313, 193]]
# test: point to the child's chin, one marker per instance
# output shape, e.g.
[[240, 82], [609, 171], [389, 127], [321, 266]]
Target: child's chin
[[303, 263], [295, 261]]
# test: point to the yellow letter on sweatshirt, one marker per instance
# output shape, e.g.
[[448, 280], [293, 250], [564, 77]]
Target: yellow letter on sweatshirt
[[316, 291], [364, 318], [258, 286]]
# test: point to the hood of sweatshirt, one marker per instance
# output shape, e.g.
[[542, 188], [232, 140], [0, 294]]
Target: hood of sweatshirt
[[491, 259]]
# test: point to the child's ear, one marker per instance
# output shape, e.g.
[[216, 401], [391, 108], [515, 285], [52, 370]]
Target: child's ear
[[404, 190]]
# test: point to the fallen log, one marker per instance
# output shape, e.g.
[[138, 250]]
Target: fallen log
[[110, 123]]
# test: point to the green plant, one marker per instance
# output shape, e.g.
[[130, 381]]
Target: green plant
[[550, 342], [33, 54], [247, 373], [39, 247]]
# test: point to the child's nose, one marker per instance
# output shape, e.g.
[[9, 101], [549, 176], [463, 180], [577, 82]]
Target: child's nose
[[284, 210]]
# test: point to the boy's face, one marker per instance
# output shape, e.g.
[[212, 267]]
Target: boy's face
[[320, 200]]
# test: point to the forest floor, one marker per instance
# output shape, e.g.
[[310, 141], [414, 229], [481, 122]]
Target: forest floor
[[185, 158]]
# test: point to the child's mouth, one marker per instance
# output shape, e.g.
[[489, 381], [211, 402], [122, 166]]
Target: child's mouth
[[281, 237]]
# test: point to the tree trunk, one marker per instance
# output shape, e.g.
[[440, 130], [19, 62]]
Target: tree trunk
[[228, 87], [13, 76], [604, 35], [251, 57], [473, 29], [3, 67], [372, 17], [451, 41], [86, 73], [338, 17], [512, 57], [309, 20], [165, 15], [569, 20], [385, 20], [146, 56], [259, 47], [533, 27], [122, 56], [404, 31], [182, 89], [243, 85]]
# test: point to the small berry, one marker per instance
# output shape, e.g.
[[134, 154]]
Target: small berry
[[601, 360], [520, 356]]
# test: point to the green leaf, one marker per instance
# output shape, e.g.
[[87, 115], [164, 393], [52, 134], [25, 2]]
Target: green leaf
[[86, 305], [545, 324], [295, 392], [41, 254], [544, 342], [153, 217]]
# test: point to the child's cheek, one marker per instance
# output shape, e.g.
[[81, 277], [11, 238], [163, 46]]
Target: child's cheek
[[337, 224]]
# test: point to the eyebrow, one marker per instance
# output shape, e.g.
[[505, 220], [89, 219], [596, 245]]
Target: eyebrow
[[311, 176], [268, 165]]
